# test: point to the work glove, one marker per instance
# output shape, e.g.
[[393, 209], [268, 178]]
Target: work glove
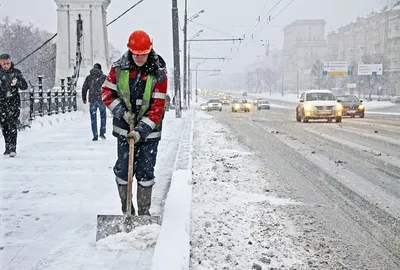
[[135, 135], [128, 117]]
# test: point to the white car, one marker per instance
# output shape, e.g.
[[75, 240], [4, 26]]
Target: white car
[[318, 104]]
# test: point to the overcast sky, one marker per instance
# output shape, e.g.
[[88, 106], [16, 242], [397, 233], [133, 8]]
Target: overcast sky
[[229, 17]]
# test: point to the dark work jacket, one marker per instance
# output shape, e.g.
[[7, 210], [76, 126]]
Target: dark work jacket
[[10, 101]]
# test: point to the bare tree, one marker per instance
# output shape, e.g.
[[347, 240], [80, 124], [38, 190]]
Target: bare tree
[[316, 72], [19, 40]]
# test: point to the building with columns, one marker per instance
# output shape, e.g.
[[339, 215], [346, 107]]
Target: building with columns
[[94, 46]]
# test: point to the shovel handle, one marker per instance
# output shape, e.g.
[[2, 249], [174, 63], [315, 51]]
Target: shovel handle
[[130, 173]]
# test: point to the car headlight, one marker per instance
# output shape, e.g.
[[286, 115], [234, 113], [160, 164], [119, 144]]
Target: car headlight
[[308, 107], [236, 106], [361, 107], [219, 105], [339, 107]]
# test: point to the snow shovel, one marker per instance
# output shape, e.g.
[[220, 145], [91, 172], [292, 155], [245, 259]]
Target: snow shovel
[[112, 224]]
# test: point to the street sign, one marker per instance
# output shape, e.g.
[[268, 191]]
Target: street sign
[[336, 68], [351, 85], [370, 69]]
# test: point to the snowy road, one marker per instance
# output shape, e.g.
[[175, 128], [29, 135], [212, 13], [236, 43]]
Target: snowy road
[[346, 178]]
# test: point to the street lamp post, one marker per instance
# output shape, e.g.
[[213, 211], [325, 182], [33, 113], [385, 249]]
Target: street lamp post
[[177, 74], [185, 54], [188, 82]]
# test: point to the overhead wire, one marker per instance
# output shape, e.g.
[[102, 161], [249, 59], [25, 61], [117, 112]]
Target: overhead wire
[[206, 26], [274, 17], [255, 24], [266, 16], [37, 49]]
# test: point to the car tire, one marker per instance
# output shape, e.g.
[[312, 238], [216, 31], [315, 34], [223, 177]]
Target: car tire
[[338, 119], [362, 115], [298, 117], [220, 110]]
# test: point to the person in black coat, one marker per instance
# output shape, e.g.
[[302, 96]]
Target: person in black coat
[[11, 80], [93, 84]]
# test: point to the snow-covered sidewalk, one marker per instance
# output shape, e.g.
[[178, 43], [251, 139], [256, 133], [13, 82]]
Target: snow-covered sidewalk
[[53, 190]]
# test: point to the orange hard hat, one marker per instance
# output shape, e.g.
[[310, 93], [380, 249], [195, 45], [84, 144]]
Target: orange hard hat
[[139, 42]]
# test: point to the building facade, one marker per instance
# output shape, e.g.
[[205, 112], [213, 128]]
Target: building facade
[[374, 38], [304, 44]]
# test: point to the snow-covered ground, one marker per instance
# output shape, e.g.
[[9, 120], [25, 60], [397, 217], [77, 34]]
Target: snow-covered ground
[[60, 181]]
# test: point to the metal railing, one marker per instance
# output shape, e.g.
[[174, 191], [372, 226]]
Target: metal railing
[[39, 102]]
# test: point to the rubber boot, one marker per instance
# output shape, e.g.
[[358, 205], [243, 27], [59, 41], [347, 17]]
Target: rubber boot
[[144, 200], [122, 191]]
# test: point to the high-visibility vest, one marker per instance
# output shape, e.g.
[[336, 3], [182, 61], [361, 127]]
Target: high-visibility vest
[[124, 91]]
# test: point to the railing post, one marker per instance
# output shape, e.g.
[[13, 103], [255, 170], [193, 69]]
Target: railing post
[[69, 84], [74, 99], [40, 78], [49, 110], [56, 99], [62, 95], [32, 104]]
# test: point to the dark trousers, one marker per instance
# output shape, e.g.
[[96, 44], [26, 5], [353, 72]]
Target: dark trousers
[[10, 132], [144, 163], [93, 117]]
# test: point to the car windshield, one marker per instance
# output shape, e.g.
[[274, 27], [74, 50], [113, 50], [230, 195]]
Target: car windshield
[[347, 98], [214, 101], [240, 101], [320, 96], [263, 101]]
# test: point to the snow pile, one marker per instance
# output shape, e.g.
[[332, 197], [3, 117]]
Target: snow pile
[[236, 219], [143, 237], [172, 249]]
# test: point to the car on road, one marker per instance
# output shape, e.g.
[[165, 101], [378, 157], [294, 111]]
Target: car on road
[[214, 105], [318, 104], [263, 104], [241, 105], [225, 101], [352, 106]]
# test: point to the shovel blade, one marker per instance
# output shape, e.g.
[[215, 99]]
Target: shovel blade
[[112, 224]]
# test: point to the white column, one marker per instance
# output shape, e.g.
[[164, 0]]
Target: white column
[[63, 49], [99, 36]]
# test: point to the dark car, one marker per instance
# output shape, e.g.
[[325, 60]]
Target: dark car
[[263, 104], [214, 105], [352, 106]]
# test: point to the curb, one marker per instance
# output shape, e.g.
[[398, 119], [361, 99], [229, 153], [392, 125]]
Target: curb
[[173, 245]]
